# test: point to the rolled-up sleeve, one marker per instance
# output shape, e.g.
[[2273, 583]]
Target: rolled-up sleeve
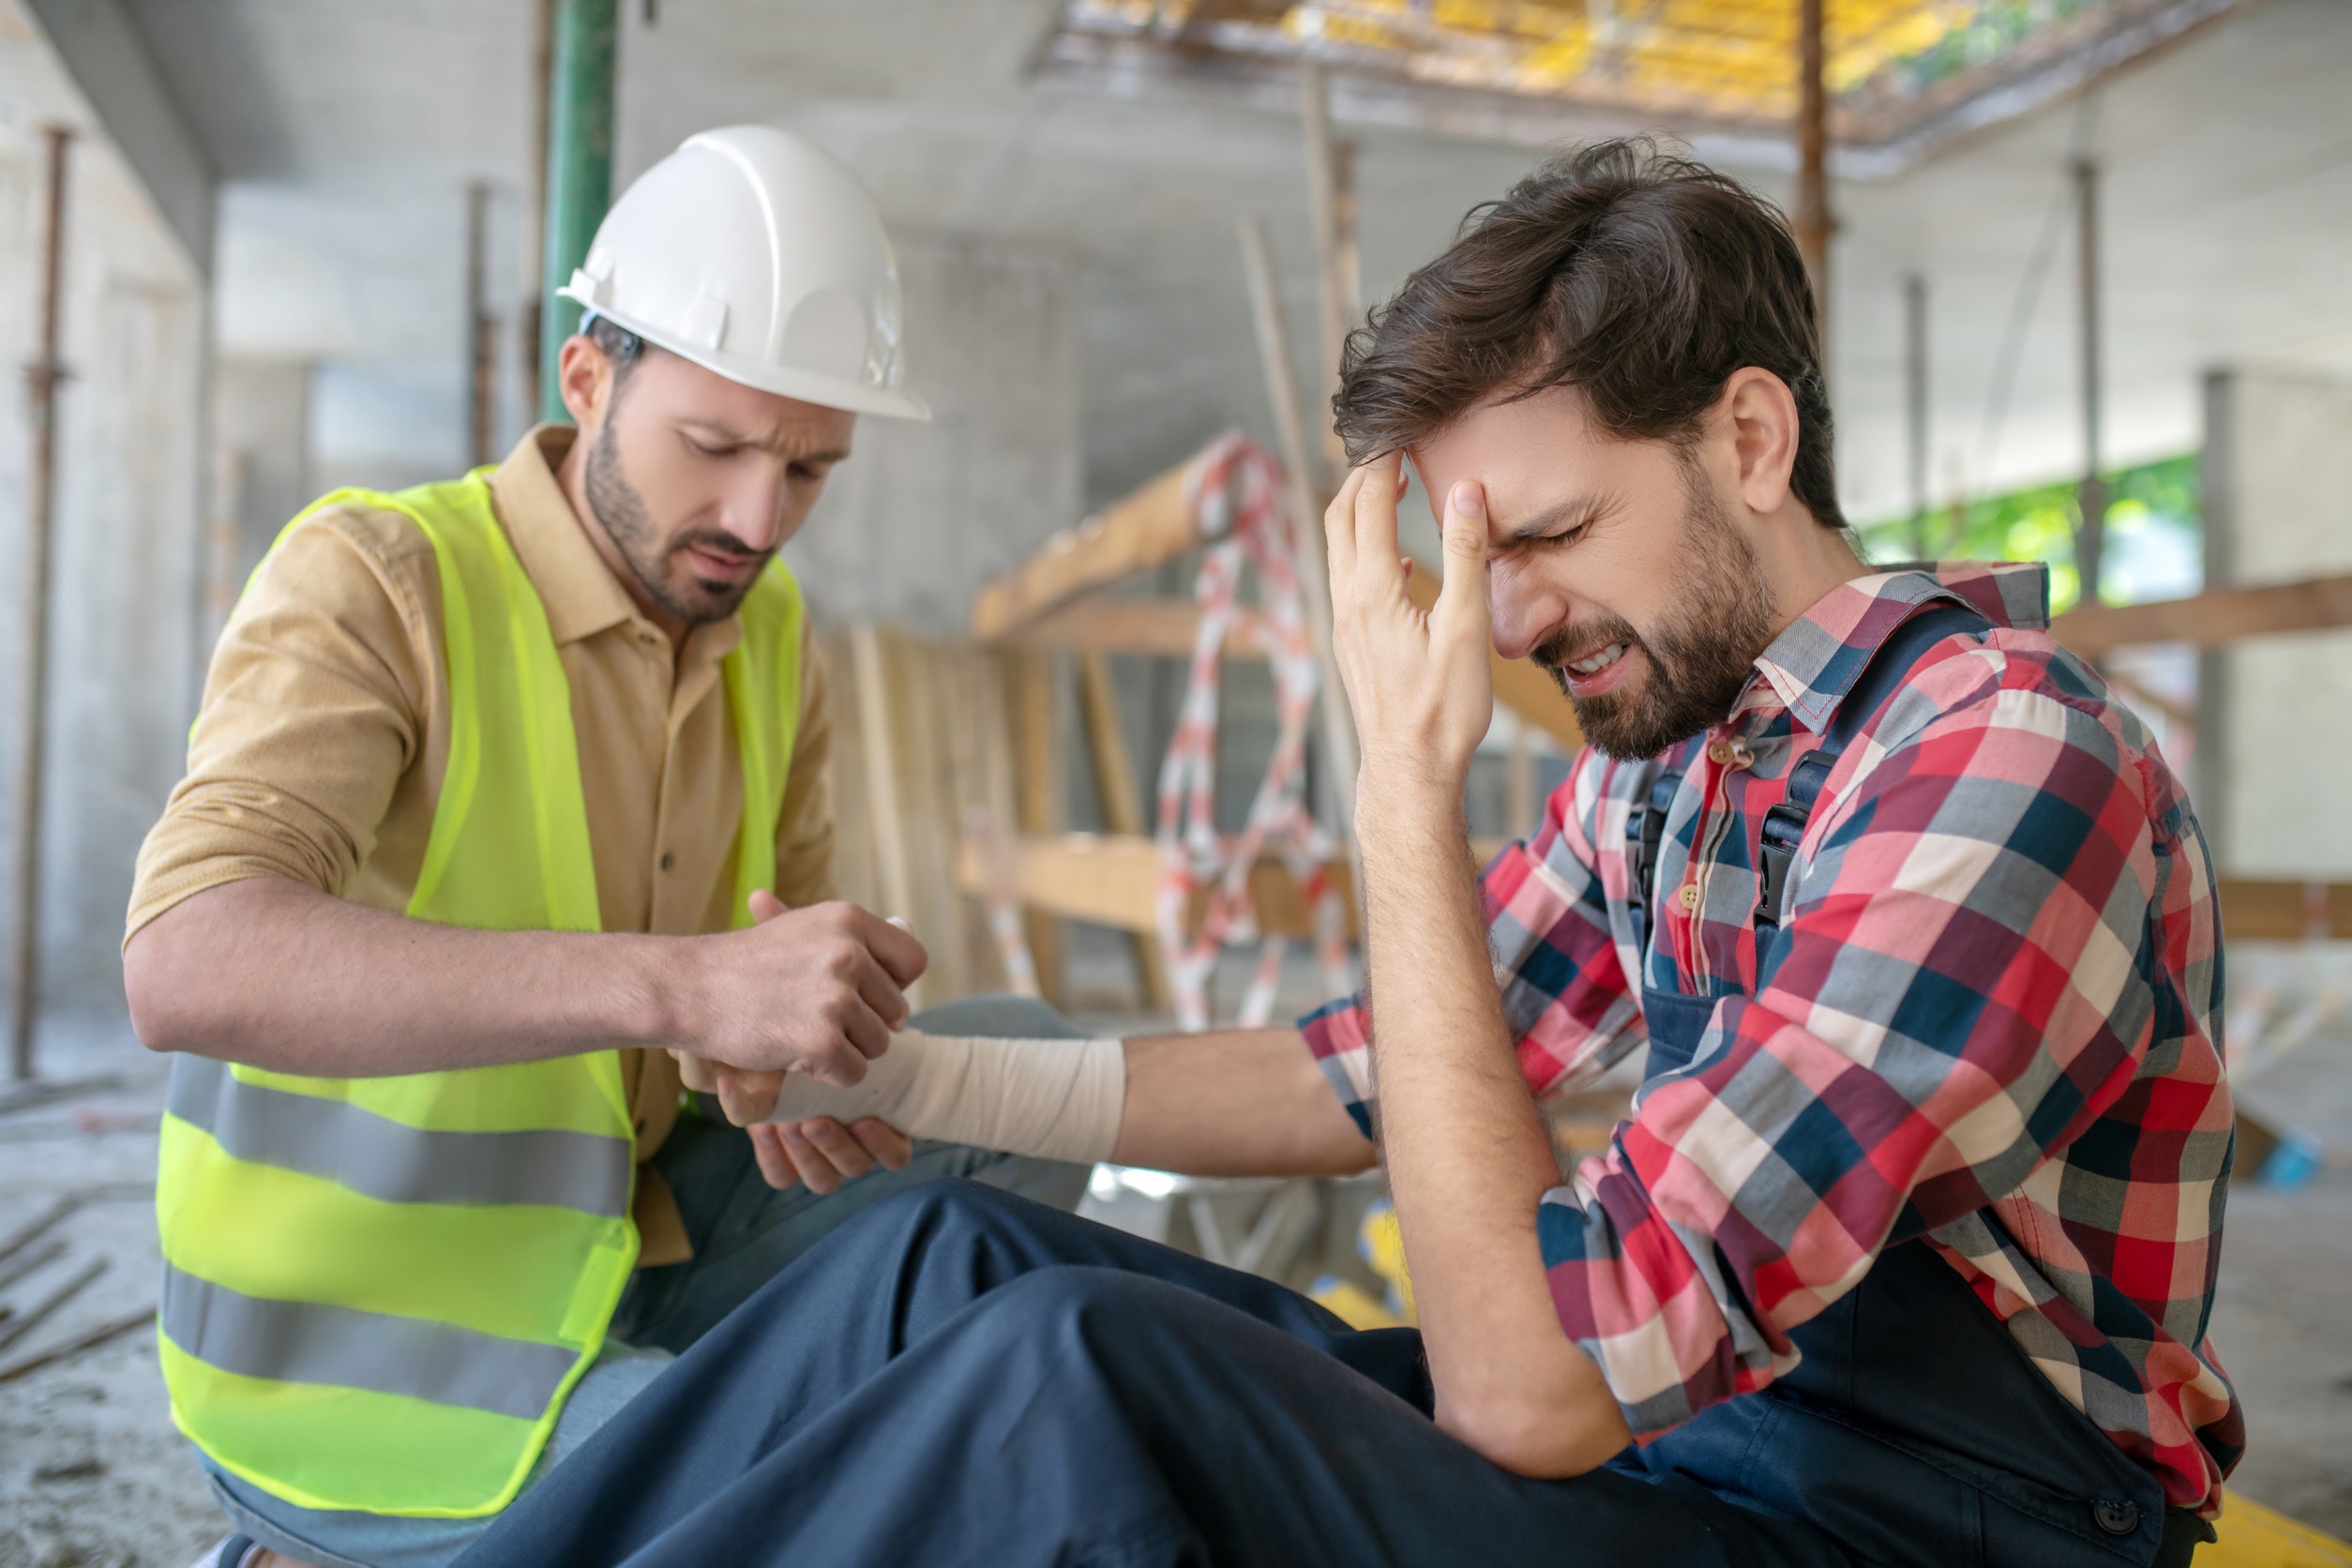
[[314, 711]]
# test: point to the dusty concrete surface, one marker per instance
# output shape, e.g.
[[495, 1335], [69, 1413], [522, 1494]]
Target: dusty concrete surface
[[92, 1474]]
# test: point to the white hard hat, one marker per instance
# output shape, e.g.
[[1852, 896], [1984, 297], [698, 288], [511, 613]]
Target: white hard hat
[[756, 254]]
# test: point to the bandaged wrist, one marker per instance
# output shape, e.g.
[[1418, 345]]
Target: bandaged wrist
[[1056, 1099]]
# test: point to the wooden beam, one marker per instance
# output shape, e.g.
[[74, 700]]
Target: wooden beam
[[1112, 880], [1147, 529], [2213, 618], [1037, 773], [1157, 627], [2255, 909], [1122, 807]]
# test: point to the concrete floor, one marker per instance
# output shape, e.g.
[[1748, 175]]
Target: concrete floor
[[91, 1473]]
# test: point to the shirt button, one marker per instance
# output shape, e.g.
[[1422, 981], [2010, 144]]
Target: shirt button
[[2117, 1517], [1689, 896], [667, 860], [1719, 751]]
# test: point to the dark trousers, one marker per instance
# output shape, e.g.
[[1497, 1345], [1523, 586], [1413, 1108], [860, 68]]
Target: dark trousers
[[961, 1376]]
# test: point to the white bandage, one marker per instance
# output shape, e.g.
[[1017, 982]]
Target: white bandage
[[1056, 1099]]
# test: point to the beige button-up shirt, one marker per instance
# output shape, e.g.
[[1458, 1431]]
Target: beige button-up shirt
[[318, 751]]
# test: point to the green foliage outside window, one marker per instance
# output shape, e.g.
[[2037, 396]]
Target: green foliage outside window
[[2153, 537]]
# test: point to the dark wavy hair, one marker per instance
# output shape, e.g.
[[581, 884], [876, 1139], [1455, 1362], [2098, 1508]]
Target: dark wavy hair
[[1640, 278]]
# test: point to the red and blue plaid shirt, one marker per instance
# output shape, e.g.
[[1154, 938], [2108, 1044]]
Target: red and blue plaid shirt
[[1994, 1019]]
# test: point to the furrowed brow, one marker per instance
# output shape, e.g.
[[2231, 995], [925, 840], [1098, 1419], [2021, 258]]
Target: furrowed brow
[[1576, 510]]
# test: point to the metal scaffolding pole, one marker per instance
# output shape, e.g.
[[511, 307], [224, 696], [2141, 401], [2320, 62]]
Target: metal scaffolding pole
[[1812, 219], [579, 169], [1915, 388], [481, 331], [41, 378], [2091, 537]]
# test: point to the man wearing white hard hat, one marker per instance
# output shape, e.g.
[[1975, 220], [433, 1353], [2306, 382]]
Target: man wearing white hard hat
[[504, 790]]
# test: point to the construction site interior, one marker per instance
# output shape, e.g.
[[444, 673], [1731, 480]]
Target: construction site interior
[[2084, 269]]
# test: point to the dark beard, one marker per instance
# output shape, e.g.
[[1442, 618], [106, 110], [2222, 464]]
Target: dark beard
[[1700, 657], [621, 512]]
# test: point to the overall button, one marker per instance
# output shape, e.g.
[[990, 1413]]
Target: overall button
[[2116, 1518]]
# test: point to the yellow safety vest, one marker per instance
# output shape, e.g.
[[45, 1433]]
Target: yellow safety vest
[[377, 1293]]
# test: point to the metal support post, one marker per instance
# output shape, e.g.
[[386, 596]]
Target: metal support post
[[1915, 388], [1812, 221], [481, 331], [579, 169], [2091, 537], [42, 377], [1331, 205]]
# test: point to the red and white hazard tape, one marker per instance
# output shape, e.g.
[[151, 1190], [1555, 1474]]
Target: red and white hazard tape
[[1236, 492]]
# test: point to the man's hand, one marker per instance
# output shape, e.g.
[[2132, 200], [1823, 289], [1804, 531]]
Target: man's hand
[[817, 990], [1420, 684], [820, 1152], [823, 1153]]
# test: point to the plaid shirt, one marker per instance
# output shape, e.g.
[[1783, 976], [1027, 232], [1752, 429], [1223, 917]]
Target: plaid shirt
[[1993, 1018]]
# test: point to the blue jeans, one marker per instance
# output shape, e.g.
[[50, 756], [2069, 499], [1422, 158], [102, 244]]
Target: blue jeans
[[744, 1232], [964, 1379]]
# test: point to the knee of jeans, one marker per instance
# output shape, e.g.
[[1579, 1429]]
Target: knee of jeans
[[1071, 1296], [1000, 1015], [945, 1201]]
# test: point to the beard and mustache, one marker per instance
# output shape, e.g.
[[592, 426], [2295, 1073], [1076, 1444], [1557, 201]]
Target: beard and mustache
[[622, 513], [1700, 654]]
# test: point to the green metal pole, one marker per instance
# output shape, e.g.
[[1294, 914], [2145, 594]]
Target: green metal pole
[[579, 169]]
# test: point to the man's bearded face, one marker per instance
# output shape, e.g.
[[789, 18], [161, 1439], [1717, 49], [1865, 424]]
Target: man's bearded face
[[1697, 656]]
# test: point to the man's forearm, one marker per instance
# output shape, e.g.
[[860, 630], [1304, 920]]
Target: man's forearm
[[280, 975], [1468, 1159], [1242, 1102]]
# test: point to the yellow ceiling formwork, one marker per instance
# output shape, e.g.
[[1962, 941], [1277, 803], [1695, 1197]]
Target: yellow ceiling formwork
[[1902, 75]]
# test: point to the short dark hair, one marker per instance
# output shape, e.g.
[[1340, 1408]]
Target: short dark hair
[[622, 346], [1640, 278]]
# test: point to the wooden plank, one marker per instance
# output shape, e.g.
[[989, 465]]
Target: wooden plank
[[2255, 909], [1037, 776], [1166, 626], [1520, 684], [1112, 879], [1156, 628], [1122, 808], [886, 812], [2213, 618], [1148, 529]]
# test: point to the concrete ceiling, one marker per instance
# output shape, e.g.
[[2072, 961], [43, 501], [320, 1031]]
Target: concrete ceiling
[[344, 133]]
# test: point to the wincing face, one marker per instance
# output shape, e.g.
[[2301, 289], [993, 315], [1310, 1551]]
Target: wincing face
[[1622, 567], [696, 481]]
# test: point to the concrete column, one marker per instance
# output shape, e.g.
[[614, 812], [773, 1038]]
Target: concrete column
[[920, 515], [2279, 488]]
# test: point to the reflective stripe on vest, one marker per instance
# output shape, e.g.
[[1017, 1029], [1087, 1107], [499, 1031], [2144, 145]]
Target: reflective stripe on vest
[[379, 1291]]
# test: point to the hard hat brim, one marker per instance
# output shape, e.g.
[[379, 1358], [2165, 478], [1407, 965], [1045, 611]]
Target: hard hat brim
[[806, 386]]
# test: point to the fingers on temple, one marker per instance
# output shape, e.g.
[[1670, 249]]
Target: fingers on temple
[[1339, 529], [1461, 605], [1376, 520]]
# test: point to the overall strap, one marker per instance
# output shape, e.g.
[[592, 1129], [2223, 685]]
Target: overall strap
[[1645, 831], [1785, 823]]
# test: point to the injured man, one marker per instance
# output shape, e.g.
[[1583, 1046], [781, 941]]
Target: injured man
[[1906, 1253]]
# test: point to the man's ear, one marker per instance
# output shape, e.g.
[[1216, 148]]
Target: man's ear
[[583, 375], [1761, 415]]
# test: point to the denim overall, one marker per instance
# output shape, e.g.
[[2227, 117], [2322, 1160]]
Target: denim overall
[[1914, 1420]]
